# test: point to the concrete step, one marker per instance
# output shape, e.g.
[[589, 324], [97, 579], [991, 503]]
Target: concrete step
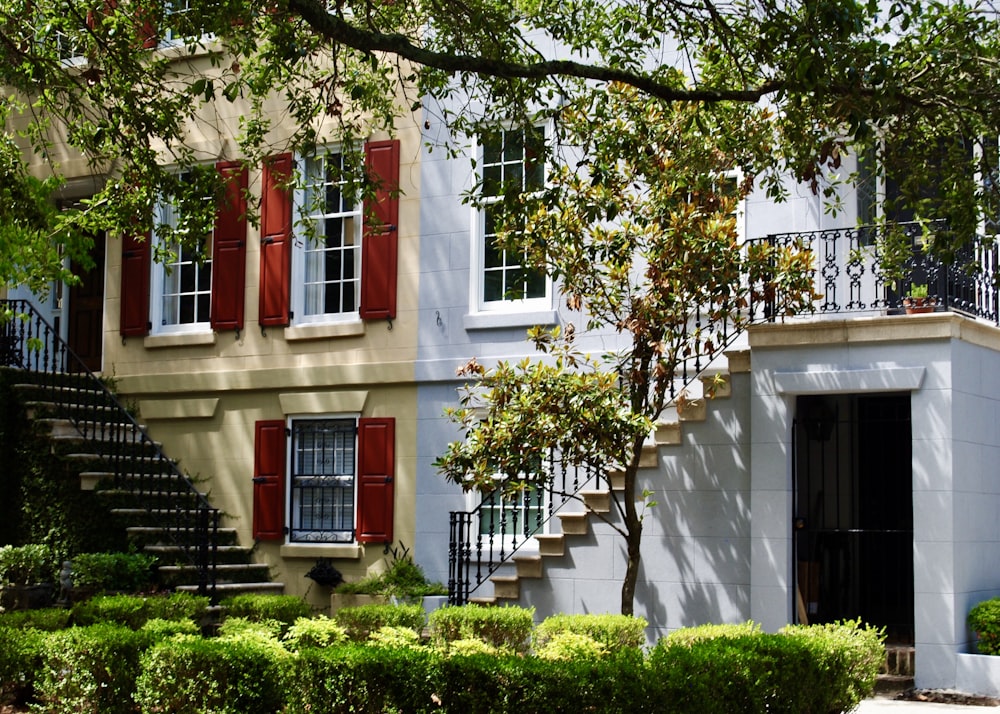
[[158, 535], [573, 523], [597, 501], [506, 587], [178, 575], [228, 589], [553, 544], [528, 566]]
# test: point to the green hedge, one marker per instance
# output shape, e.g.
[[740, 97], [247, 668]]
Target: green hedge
[[984, 620], [226, 675], [113, 571], [359, 622], [91, 669], [502, 627], [614, 632], [20, 662], [286, 609], [135, 610]]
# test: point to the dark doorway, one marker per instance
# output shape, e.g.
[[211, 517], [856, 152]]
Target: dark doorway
[[86, 310], [853, 515]]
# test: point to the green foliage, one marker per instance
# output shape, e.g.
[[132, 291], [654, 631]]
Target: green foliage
[[47, 619], [984, 620], [612, 631], [567, 644], [225, 675], [357, 678], [90, 669], [135, 610], [162, 629], [502, 627], [849, 655], [286, 609], [20, 661], [113, 571], [359, 622], [690, 635], [318, 631], [394, 637], [404, 579], [265, 630], [26, 564]]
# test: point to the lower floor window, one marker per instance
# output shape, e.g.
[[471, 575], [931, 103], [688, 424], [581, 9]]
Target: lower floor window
[[322, 480], [514, 516]]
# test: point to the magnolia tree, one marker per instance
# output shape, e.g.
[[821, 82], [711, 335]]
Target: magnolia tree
[[142, 96], [640, 234]]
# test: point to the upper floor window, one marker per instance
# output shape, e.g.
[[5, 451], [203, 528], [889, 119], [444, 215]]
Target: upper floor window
[[182, 280], [327, 262], [511, 164]]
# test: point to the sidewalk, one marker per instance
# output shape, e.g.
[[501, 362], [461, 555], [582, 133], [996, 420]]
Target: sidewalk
[[891, 706]]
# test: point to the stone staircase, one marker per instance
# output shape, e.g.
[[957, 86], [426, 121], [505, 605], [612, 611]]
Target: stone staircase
[[163, 512], [689, 408]]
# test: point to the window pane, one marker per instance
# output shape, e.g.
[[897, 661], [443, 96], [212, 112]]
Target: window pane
[[323, 458]]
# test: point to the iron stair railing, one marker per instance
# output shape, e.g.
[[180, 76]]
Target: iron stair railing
[[139, 467]]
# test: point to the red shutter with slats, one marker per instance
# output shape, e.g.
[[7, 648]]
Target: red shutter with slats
[[269, 480], [229, 249], [376, 473], [276, 242], [379, 246], [134, 298]]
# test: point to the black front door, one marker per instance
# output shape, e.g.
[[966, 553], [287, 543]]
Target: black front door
[[853, 515]]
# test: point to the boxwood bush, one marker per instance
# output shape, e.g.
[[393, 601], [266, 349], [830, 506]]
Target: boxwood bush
[[90, 669], [502, 627], [224, 675], [20, 662], [359, 622], [129, 572], [984, 620], [614, 632], [286, 609], [135, 610]]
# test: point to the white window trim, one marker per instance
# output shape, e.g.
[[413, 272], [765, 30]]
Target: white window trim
[[477, 223], [289, 470], [157, 285], [299, 239], [524, 544]]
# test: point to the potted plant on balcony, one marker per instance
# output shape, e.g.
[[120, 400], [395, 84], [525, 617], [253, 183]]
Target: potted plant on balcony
[[917, 301]]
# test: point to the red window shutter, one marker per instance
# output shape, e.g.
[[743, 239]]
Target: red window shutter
[[376, 473], [269, 480], [134, 299], [229, 250], [276, 242], [379, 246]]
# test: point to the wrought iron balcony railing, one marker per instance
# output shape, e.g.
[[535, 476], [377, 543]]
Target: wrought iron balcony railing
[[852, 274]]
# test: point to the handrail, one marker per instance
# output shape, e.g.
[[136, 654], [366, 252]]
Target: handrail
[[30, 343]]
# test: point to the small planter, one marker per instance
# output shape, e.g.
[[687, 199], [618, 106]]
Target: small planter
[[341, 600], [27, 597], [919, 305]]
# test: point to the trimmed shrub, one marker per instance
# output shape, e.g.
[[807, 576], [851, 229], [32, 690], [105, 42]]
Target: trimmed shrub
[[613, 632], [690, 635], [503, 627], [356, 678], [20, 661], [136, 610], [48, 619], [164, 629], [849, 654], [394, 637], [27, 564], [570, 645], [286, 609], [128, 572], [226, 675], [359, 622], [984, 620], [91, 669], [263, 630], [314, 632]]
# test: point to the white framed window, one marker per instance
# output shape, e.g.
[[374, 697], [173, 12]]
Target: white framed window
[[323, 466], [510, 162], [326, 260], [182, 280]]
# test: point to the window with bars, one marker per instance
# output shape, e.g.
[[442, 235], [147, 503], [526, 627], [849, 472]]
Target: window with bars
[[323, 466], [329, 254], [511, 164]]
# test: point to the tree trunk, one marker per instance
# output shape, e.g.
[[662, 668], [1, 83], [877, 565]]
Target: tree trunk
[[633, 534]]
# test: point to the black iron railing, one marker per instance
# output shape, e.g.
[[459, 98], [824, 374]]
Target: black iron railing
[[138, 465], [852, 273], [486, 537]]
